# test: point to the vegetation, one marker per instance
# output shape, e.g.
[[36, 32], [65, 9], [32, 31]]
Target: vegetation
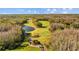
[[39, 24], [10, 36], [56, 26], [52, 32], [66, 40]]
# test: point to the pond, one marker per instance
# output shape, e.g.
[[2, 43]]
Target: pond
[[27, 29]]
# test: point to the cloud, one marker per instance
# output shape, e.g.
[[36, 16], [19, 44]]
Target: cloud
[[52, 12], [70, 8], [67, 8], [35, 12], [64, 8], [54, 9], [29, 10], [64, 12], [48, 9]]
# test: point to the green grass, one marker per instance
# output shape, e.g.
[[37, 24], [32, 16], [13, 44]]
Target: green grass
[[43, 32], [28, 48], [30, 23], [45, 23]]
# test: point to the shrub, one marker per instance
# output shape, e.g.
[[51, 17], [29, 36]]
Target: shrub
[[39, 24], [10, 36], [36, 42], [55, 26], [65, 40], [75, 25], [24, 44]]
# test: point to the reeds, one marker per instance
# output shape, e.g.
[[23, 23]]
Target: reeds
[[10, 36], [65, 40]]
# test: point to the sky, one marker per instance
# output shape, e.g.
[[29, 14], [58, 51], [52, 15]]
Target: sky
[[39, 10]]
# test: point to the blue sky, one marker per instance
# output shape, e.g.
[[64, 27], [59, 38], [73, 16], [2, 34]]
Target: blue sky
[[39, 10]]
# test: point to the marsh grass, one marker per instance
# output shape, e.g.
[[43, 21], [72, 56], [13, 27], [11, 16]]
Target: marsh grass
[[10, 36], [66, 40]]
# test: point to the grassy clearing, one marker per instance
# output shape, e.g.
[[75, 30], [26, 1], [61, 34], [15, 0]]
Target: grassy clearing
[[42, 32], [45, 23], [30, 23]]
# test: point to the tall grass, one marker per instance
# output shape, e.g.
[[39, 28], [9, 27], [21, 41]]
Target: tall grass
[[65, 40], [10, 36], [55, 26]]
